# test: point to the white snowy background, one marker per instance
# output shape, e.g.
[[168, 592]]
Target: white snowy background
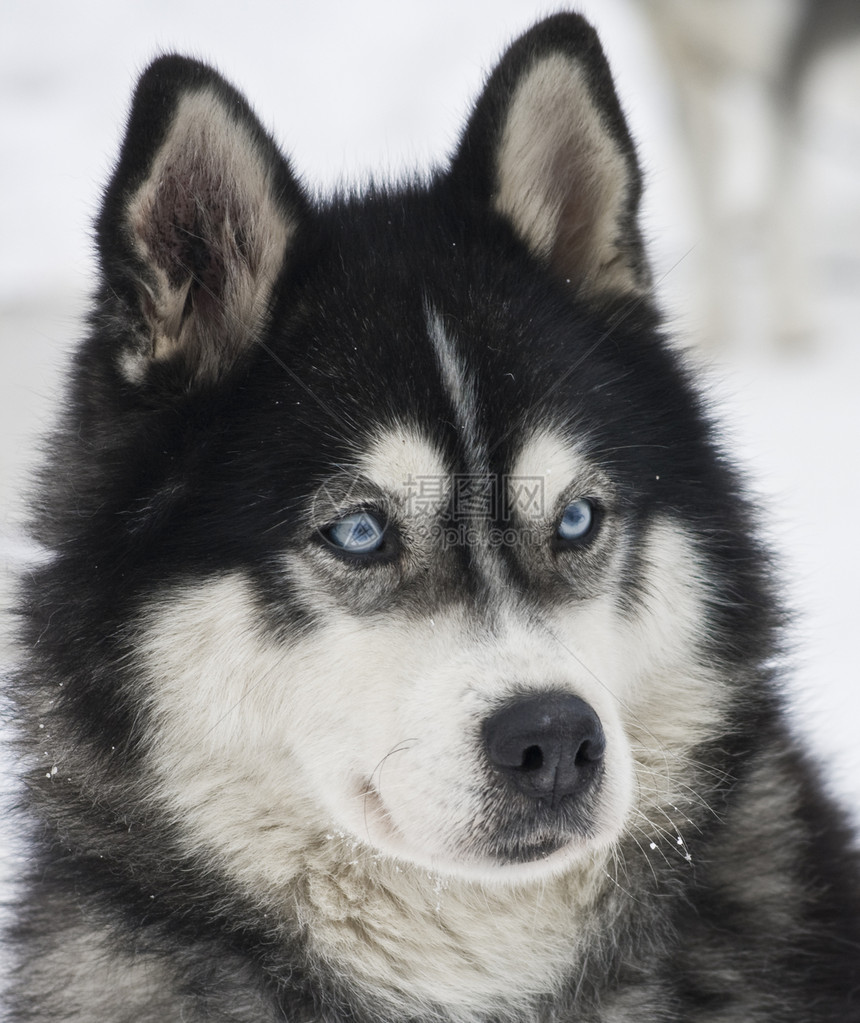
[[349, 87]]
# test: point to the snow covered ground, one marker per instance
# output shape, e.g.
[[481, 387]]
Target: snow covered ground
[[382, 85]]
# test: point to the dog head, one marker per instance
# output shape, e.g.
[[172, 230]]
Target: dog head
[[398, 518]]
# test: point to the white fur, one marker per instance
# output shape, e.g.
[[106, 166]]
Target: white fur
[[262, 751], [460, 385], [550, 457], [339, 770], [402, 456], [558, 471]]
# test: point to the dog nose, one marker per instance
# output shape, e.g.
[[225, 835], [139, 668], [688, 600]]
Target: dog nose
[[546, 746]]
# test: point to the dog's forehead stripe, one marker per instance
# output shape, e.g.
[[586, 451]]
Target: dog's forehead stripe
[[460, 388]]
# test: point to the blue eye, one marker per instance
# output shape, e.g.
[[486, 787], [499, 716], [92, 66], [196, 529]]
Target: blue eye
[[358, 533], [578, 520]]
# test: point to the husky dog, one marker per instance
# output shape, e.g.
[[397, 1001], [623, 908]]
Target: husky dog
[[405, 651]]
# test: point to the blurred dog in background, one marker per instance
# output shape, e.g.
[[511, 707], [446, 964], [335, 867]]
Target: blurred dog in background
[[741, 71]]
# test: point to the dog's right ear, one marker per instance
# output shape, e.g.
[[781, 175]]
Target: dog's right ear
[[196, 223]]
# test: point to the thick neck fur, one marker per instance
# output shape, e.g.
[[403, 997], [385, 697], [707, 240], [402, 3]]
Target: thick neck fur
[[410, 938]]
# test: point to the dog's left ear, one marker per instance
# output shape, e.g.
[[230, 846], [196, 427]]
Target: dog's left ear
[[548, 149]]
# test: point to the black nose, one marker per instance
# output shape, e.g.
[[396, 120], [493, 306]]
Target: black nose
[[546, 746]]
